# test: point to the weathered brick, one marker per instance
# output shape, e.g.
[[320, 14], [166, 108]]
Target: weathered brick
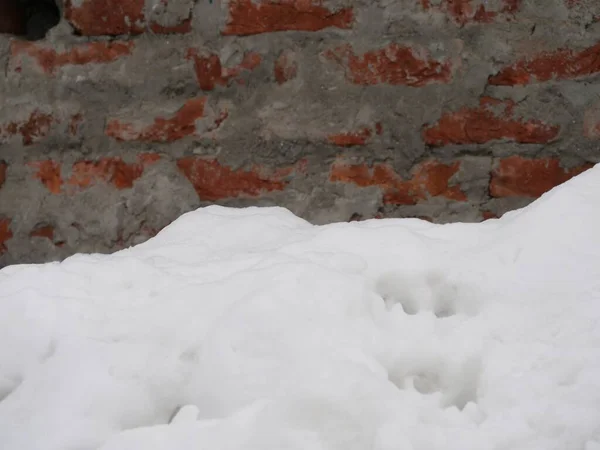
[[563, 64], [248, 17], [3, 168], [429, 179], [286, 67], [214, 181], [74, 124], [521, 177], [116, 17], [180, 125], [5, 234], [170, 16], [85, 173], [185, 26], [106, 17], [31, 130], [210, 72], [394, 65], [591, 122], [353, 138], [49, 173], [49, 59], [112, 170], [485, 123], [487, 215], [465, 11], [44, 231], [35, 127], [13, 17]]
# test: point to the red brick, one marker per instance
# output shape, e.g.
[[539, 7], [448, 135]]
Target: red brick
[[429, 179], [214, 181], [74, 124], [5, 234], [286, 67], [180, 125], [394, 65], [210, 72], [483, 124], [464, 11], [13, 17], [111, 170], [520, 177], [248, 17], [48, 59], [148, 158], [45, 231], [106, 17], [185, 26], [31, 130], [591, 123], [487, 215], [561, 64], [3, 168], [48, 172], [359, 137]]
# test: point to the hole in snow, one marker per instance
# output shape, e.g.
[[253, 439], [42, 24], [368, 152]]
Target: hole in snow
[[426, 382], [455, 381], [8, 386], [31, 19], [184, 414], [50, 351], [425, 291]]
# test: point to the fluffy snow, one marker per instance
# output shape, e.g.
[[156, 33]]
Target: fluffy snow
[[252, 329]]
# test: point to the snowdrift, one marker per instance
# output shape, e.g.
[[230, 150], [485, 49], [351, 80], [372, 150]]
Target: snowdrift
[[252, 329]]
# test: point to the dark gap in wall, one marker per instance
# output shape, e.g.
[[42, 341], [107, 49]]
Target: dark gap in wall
[[30, 19]]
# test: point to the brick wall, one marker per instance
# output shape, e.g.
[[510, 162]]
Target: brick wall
[[132, 112]]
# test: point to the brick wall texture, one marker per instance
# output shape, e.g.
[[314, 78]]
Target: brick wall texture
[[132, 112]]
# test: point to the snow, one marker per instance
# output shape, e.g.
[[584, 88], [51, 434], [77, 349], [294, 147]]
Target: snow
[[252, 329]]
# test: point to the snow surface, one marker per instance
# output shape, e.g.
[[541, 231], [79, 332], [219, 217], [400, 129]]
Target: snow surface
[[252, 329]]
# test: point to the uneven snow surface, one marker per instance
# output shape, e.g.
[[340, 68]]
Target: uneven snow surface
[[253, 330]]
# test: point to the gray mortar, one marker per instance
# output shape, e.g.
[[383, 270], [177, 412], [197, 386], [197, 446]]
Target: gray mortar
[[276, 126]]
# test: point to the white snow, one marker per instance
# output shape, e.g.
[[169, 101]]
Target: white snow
[[252, 329]]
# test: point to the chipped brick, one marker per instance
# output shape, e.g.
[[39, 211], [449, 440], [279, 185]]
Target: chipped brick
[[49, 173], [210, 72], [31, 130], [285, 67], [465, 11], [183, 27], [248, 17], [74, 124], [48, 59], [5, 234], [394, 65], [214, 181], [3, 168], [487, 215], [180, 125], [521, 177], [113, 170], [430, 179], [359, 137], [483, 124], [106, 17], [43, 231], [561, 64]]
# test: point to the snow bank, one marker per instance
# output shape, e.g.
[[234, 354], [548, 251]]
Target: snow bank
[[252, 329]]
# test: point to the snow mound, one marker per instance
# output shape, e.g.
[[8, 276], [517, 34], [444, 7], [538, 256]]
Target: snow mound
[[252, 329]]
